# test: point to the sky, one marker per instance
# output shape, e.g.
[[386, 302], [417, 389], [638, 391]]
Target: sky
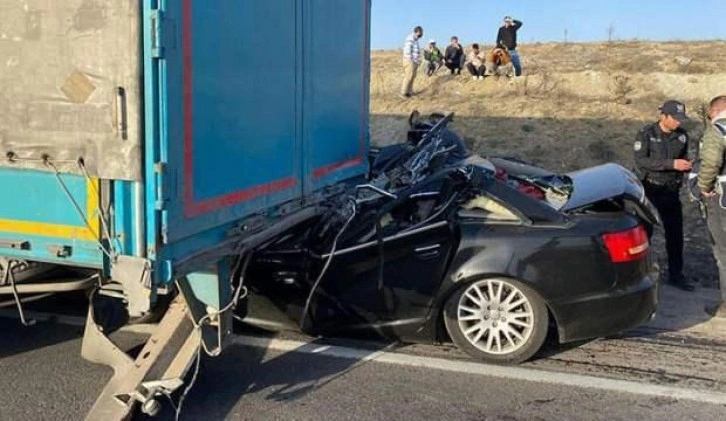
[[547, 20]]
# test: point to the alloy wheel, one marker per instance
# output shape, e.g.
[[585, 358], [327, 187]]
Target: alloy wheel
[[495, 316]]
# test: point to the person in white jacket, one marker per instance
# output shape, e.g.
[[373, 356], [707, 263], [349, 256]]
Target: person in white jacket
[[475, 62], [411, 61]]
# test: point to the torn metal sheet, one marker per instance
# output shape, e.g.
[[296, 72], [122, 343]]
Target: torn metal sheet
[[70, 78]]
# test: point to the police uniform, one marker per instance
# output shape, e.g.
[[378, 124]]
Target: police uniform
[[655, 152]]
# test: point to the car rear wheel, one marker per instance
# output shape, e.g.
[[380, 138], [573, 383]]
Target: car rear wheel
[[497, 320]]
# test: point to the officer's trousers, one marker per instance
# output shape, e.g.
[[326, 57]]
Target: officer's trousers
[[716, 220], [668, 203]]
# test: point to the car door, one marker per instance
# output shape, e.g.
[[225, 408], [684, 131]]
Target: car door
[[386, 283]]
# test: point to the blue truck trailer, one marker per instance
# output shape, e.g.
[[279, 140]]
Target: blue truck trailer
[[149, 146]]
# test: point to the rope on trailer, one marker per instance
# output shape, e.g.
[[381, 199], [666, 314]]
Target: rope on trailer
[[46, 160], [104, 218], [75, 204], [9, 276], [193, 380], [239, 293]]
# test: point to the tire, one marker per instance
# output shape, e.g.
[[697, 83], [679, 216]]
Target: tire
[[519, 331]]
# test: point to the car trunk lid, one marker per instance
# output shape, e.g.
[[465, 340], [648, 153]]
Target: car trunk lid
[[605, 182]]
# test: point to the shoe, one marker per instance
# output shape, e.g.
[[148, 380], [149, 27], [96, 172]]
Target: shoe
[[404, 96], [474, 77], [682, 283]]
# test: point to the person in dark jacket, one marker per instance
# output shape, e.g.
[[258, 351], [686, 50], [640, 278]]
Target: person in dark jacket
[[663, 153], [507, 39], [454, 56]]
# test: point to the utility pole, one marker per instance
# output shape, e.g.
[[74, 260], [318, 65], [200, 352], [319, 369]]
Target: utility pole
[[611, 32]]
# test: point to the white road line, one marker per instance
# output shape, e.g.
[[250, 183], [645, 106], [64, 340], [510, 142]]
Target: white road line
[[467, 367], [266, 323], [515, 373]]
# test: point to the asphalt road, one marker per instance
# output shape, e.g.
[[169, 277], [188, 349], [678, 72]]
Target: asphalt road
[[288, 376]]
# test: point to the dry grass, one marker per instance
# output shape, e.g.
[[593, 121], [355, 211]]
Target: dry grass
[[576, 105], [571, 97]]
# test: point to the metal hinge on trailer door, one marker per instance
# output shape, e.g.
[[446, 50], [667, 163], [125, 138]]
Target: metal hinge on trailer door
[[159, 174], [161, 198], [157, 49]]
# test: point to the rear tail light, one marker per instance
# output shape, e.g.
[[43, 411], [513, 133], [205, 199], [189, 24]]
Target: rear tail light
[[626, 246]]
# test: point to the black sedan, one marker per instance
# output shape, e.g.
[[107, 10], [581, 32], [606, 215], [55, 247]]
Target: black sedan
[[489, 252]]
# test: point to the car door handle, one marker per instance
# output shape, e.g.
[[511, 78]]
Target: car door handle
[[428, 252]]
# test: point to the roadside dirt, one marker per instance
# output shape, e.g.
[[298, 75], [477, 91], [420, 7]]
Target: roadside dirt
[[575, 106]]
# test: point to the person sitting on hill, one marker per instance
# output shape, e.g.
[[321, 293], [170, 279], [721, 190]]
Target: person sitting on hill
[[433, 58], [454, 56], [475, 62], [499, 62]]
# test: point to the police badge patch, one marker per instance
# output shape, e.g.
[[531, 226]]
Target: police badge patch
[[682, 138], [638, 146]]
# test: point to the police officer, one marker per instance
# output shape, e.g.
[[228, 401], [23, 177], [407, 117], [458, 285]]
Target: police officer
[[661, 157]]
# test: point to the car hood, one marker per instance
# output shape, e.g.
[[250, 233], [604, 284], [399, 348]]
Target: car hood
[[607, 181]]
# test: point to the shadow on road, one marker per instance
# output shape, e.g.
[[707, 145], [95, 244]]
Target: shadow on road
[[278, 377], [684, 313], [18, 339]]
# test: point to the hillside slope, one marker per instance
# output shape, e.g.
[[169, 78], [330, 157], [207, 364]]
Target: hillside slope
[[576, 105]]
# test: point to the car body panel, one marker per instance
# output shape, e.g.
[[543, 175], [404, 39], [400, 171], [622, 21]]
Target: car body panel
[[369, 292], [398, 265]]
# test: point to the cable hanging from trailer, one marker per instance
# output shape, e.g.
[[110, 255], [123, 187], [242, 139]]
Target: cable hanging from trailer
[[111, 252], [333, 248]]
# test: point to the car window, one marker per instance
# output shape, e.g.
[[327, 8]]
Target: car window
[[485, 207]]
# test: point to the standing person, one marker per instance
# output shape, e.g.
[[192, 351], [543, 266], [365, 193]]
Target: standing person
[[454, 56], [661, 158], [475, 62], [411, 61], [432, 58], [507, 39], [712, 186]]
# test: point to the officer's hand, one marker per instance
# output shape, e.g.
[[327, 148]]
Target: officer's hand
[[708, 194], [682, 165]]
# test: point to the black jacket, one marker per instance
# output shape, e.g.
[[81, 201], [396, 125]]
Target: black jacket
[[507, 36], [655, 152], [453, 54]]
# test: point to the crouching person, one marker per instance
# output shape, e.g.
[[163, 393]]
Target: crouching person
[[712, 183], [433, 59], [499, 62], [475, 62], [454, 56]]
